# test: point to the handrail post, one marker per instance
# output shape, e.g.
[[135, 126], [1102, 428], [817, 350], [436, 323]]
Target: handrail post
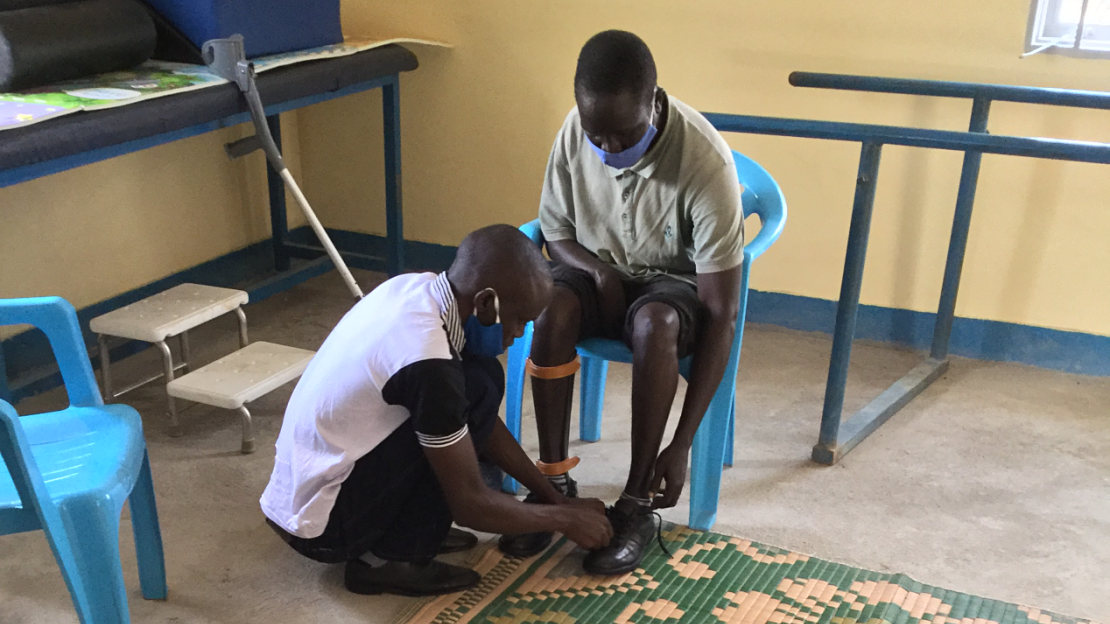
[[866, 182], [961, 224]]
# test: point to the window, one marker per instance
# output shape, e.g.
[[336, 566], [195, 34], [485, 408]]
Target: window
[[1072, 27]]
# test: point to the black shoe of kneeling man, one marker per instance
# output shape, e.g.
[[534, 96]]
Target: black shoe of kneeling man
[[528, 544], [457, 540], [633, 531], [408, 579]]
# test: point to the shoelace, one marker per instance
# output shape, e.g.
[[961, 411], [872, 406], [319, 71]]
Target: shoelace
[[659, 534]]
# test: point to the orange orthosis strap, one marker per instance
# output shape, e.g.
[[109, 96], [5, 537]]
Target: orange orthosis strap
[[559, 468], [552, 372]]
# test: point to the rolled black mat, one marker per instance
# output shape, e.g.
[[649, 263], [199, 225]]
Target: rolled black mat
[[44, 44]]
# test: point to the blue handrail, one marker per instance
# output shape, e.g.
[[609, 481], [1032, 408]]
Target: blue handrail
[[944, 88], [1056, 149]]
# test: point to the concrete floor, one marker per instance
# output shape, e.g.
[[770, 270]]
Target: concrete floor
[[995, 481]]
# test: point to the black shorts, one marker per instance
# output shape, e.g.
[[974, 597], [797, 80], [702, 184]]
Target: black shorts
[[679, 295]]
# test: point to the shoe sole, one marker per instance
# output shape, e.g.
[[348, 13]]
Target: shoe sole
[[614, 572], [377, 590]]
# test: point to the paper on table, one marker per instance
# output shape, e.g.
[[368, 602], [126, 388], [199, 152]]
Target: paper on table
[[154, 79]]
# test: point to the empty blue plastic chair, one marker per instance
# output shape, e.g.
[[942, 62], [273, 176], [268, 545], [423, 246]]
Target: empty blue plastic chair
[[69, 472], [713, 442]]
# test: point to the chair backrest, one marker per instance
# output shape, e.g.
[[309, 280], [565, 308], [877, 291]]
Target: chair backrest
[[58, 320]]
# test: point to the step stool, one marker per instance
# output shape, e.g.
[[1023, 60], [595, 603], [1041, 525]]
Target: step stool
[[163, 316], [240, 378]]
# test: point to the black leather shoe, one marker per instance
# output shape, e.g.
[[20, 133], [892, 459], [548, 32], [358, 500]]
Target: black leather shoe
[[633, 531], [528, 544], [457, 540], [408, 579]]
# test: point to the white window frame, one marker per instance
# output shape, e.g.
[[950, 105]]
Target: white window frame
[[1053, 25]]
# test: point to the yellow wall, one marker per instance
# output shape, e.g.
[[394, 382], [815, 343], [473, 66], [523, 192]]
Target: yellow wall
[[97, 231], [478, 121]]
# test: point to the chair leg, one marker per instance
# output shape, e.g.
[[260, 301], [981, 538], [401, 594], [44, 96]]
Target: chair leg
[[708, 460], [148, 535], [591, 398], [248, 430], [94, 574], [167, 370], [514, 394]]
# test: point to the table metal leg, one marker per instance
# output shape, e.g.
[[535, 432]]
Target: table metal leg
[[5, 391], [186, 352], [242, 316], [248, 430], [866, 181], [957, 245], [105, 368], [167, 368], [276, 187], [391, 123]]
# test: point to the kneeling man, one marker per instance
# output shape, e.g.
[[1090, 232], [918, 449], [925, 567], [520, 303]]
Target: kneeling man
[[377, 454]]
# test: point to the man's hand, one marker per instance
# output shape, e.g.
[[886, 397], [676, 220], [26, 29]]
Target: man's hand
[[670, 468], [610, 291], [585, 524]]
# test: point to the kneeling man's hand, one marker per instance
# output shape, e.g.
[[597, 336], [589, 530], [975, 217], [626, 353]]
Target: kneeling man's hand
[[585, 523]]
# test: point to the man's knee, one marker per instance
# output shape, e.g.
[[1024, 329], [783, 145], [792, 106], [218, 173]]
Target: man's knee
[[655, 325], [561, 319]]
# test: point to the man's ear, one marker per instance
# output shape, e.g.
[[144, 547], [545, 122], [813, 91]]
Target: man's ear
[[483, 307]]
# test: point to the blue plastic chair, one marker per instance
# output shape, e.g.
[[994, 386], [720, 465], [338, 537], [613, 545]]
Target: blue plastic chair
[[69, 472], [714, 440]]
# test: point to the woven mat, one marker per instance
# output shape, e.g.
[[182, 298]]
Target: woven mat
[[711, 578]]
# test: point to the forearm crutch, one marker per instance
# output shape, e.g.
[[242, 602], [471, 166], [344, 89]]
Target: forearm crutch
[[227, 59]]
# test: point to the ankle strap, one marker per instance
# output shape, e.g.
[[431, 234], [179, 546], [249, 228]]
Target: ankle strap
[[558, 468], [552, 372]]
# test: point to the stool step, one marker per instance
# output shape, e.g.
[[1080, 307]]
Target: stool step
[[169, 312], [242, 376]]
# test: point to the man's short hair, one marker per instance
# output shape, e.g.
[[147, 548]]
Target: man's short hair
[[614, 62]]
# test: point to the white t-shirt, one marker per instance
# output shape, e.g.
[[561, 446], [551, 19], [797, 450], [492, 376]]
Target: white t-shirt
[[337, 414]]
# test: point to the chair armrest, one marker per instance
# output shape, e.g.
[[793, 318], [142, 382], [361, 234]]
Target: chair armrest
[[769, 230]]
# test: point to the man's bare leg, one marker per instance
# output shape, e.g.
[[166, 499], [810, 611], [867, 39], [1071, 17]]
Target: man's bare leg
[[654, 383]]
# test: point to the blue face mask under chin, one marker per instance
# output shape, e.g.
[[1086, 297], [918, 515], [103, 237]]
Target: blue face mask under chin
[[630, 156], [487, 340]]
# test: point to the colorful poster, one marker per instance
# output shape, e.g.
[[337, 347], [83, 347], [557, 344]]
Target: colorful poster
[[150, 80]]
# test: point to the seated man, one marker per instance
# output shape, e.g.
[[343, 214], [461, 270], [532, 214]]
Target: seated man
[[378, 451], [642, 215]]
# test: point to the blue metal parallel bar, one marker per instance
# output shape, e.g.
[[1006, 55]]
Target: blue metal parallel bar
[[394, 226], [863, 423], [944, 88], [866, 182], [840, 435], [1055, 149], [275, 187], [961, 226], [16, 175]]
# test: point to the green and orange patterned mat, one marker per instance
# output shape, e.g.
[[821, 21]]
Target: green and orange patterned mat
[[711, 578]]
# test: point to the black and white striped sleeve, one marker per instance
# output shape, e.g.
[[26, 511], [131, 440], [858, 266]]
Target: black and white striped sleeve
[[434, 392]]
